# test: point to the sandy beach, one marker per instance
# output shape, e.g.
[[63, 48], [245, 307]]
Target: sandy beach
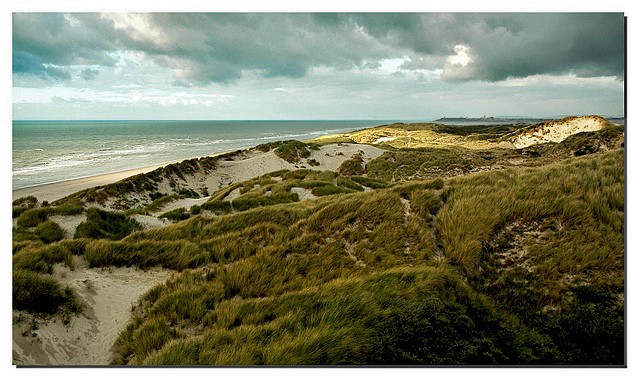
[[54, 191]]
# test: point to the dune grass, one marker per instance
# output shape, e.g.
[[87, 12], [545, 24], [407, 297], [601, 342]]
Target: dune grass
[[255, 309], [391, 317], [510, 266], [34, 216], [449, 160], [41, 294], [290, 150], [49, 231], [104, 224], [176, 215]]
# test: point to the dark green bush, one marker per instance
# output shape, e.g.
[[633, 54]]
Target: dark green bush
[[32, 217], [156, 195], [217, 206], [368, 182], [250, 202], [351, 167], [38, 293], [104, 224], [344, 182], [591, 320], [176, 215], [28, 202], [326, 190], [66, 209], [49, 231], [22, 204], [289, 150], [189, 193]]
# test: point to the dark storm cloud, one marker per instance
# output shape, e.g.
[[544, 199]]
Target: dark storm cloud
[[205, 48], [53, 39], [517, 46], [26, 63], [510, 45]]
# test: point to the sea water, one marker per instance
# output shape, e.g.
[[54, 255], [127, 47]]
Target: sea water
[[52, 151]]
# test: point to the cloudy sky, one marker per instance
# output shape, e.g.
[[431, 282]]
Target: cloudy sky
[[315, 65]]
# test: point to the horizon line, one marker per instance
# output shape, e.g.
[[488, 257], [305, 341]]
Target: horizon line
[[309, 120]]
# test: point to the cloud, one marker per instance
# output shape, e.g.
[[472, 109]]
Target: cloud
[[26, 63], [508, 45], [199, 49], [89, 74]]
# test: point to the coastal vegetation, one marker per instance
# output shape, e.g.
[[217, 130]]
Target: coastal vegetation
[[441, 255], [292, 151]]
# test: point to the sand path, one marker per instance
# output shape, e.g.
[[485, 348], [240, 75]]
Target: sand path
[[88, 339]]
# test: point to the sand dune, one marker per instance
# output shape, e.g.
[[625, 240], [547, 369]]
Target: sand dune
[[556, 130]]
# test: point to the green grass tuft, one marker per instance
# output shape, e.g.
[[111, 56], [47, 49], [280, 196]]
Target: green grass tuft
[[49, 232], [104, 224]]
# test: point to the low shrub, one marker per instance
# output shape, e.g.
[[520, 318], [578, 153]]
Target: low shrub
[[352, 166], [344, 182], [32, 217], [217, 206], [28, 202], [49, 231], [104, 224], [38, 293], [176, 215], [250, 201], [23, 203], [326, 190], [371, 183]]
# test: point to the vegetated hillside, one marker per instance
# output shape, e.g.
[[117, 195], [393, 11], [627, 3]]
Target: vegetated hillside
[[447, 161], [420, 135], [510, 266]]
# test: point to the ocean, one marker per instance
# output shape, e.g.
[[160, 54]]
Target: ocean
[[51, 151]]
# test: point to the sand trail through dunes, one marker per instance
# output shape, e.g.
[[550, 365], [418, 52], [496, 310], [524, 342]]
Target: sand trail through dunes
[[88, 339]]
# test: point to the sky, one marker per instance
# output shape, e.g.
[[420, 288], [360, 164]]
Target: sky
[[405, 66]]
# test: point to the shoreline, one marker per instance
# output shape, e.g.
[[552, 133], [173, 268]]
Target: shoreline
[[59, 189]]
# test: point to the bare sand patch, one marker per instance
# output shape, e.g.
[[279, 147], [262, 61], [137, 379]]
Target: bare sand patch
[[69, 223], [303, 194], [232, 195], [186, 203], [331, 156], [88, 339]]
